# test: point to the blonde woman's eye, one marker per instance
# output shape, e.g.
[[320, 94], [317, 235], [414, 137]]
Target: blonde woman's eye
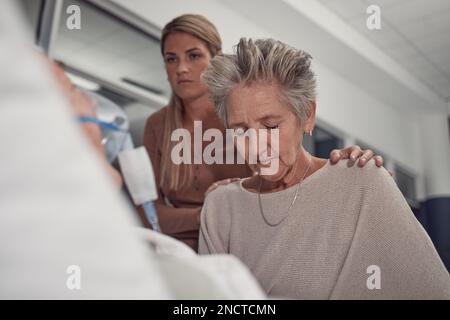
[[194, 56], [272, 127]]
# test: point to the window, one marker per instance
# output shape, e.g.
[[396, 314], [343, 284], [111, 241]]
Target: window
[[111, 49], [115, 53], [407, 185], [405, 180], [32, 11], [321, 143]]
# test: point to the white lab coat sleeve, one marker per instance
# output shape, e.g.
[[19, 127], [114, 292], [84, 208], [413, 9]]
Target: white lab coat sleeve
[[58, 207], [65, 231], [218, 276]]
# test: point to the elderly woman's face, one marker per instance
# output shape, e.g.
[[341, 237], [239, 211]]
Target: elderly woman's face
[[186, 57], [259, 106]]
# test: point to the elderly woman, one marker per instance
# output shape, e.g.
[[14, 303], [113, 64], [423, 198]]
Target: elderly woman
[[309, 230]]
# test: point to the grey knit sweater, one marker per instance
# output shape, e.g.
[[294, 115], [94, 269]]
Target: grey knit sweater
[[349, 235]]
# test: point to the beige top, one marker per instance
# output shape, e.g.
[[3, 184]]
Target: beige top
[[180, 220], [344, 220]]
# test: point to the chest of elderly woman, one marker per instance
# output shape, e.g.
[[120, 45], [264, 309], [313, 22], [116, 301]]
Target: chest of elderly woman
[[297, 253]]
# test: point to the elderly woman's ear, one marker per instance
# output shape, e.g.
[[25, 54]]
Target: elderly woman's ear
[[310, 123]]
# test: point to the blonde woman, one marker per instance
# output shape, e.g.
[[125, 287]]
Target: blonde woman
[[188, 44]]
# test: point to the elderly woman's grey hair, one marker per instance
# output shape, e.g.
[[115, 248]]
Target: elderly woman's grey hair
[[267, 61]]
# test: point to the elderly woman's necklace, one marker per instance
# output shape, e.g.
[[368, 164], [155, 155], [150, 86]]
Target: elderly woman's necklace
[[293, 200]]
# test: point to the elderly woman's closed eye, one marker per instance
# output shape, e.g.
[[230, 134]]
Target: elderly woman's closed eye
[[307, 229]]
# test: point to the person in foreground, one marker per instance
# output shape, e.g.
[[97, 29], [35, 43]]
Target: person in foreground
[[309, 230], [66, 232]]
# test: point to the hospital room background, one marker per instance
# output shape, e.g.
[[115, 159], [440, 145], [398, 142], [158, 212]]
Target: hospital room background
[[398, 75]]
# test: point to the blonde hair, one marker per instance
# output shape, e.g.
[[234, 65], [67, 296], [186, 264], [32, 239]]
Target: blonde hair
[[266, 60], [201, 28]]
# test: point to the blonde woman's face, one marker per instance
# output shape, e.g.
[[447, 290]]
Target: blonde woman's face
[[186, 57]]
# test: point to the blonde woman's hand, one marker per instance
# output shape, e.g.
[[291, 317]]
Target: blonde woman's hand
[[356, 155], [223, 182]]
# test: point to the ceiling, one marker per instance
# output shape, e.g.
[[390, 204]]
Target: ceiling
[[415, 33]]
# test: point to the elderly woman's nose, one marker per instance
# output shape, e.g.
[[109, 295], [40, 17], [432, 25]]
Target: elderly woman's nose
[[252, 149], [266, 152], [259, 148]]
